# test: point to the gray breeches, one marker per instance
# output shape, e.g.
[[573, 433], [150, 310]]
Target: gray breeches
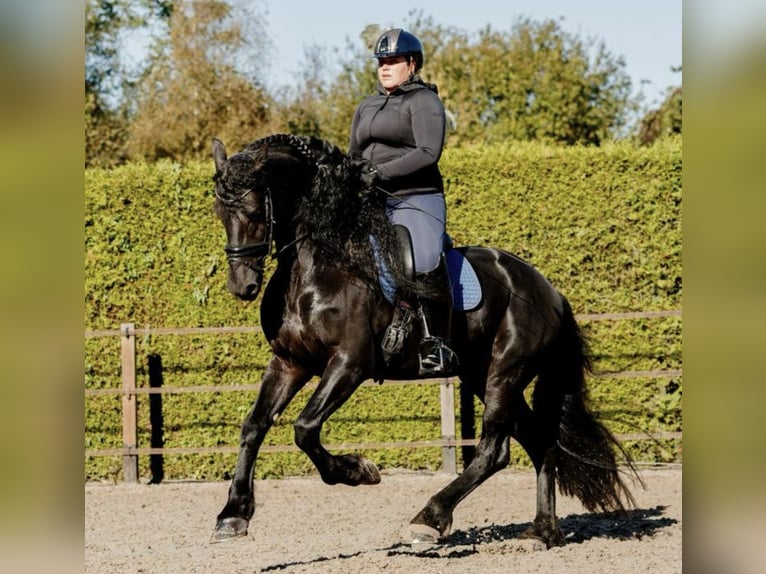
[[424, 216]]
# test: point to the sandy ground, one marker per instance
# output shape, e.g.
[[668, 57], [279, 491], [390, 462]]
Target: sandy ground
[[302, 525]]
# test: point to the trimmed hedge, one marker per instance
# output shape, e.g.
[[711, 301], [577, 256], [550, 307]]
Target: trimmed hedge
[[604, 224]]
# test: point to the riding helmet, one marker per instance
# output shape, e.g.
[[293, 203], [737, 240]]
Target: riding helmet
[[398, 42]]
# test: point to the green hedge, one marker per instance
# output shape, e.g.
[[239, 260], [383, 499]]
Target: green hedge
[[604, 224]]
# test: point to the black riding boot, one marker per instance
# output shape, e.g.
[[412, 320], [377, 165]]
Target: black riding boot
[[435, 355]]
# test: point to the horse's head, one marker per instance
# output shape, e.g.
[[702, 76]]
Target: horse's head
[[287, 188], [243, 204]]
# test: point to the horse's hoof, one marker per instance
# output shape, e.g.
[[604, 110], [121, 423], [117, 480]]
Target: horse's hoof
[[422, 534], [370, 474], [228, 528], [544, 536]]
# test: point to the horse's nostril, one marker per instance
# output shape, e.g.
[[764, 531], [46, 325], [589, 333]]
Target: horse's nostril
[[252, 290], [249, 293]]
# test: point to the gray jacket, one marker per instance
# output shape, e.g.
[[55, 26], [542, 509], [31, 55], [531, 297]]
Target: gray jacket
[[401, 134]]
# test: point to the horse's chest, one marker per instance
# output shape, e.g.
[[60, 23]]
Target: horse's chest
[[310, 321], [302, 334]]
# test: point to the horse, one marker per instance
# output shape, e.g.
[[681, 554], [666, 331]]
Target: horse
[[324, 314]]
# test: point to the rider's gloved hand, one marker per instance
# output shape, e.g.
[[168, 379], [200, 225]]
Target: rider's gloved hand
[[368, 177]]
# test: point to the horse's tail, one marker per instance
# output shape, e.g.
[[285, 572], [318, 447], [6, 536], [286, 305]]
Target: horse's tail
[[586, 462]]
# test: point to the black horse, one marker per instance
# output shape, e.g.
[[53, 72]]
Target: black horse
[[324, 314]]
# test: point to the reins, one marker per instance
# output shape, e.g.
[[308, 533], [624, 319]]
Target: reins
[[286, 246], [402, 200]]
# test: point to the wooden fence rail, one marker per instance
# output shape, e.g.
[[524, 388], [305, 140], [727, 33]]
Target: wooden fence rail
[[130, 450]]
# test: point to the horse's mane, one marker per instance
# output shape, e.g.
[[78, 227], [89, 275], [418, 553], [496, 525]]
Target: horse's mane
[[339, 214]]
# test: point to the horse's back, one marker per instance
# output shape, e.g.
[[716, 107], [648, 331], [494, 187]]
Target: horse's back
[[519, 304], [501, 272]]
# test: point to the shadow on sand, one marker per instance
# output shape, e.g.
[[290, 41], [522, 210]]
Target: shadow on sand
[[577, 528]]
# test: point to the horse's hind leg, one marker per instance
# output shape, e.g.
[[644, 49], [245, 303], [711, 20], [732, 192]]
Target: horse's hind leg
[[539, 441], [280, 383], [492, 454]]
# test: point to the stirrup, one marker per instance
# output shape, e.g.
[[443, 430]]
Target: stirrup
[[435, 357], [396, 334]]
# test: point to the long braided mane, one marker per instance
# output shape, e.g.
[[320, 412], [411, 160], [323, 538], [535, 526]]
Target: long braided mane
[[335, 216]]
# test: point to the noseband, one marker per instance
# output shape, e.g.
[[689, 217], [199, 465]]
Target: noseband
[[242, 253]]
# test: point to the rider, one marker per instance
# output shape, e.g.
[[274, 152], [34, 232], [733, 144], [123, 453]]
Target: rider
[[400, 133]]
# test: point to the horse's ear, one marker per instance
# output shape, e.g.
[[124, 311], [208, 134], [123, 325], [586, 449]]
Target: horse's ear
[[219, 153]]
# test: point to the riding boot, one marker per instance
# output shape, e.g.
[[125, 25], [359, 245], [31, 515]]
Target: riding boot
[[435, 354]]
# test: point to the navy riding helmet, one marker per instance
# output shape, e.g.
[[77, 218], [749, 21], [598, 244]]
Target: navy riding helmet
[[398, 42]]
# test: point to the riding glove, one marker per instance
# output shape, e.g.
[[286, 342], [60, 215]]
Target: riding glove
[[368, 177]]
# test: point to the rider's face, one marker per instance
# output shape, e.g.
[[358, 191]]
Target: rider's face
[[394, 71]]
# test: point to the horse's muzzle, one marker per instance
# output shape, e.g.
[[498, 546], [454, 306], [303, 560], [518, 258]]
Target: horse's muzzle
[[244, 282]]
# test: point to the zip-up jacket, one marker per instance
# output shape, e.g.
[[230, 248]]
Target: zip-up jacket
[[401, 134]]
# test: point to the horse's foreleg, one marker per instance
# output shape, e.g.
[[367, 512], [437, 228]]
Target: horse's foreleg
[[280, 384], [338, 383]]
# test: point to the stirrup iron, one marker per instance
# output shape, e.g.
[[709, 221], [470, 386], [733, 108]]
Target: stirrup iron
[[435, 357]]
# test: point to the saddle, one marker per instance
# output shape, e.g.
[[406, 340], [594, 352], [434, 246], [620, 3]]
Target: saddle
[[466, 288]]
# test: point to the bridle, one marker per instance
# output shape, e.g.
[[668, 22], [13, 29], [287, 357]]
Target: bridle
[[242, 253]]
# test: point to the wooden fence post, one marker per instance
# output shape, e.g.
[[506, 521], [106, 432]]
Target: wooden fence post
[[129, 401], [447, 395]]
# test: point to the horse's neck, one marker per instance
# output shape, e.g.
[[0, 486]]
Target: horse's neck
[[308, 265]]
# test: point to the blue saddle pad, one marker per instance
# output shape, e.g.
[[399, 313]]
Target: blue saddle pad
[[466, 289]]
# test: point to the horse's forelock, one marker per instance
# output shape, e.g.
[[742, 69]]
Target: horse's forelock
[[240, 171]]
